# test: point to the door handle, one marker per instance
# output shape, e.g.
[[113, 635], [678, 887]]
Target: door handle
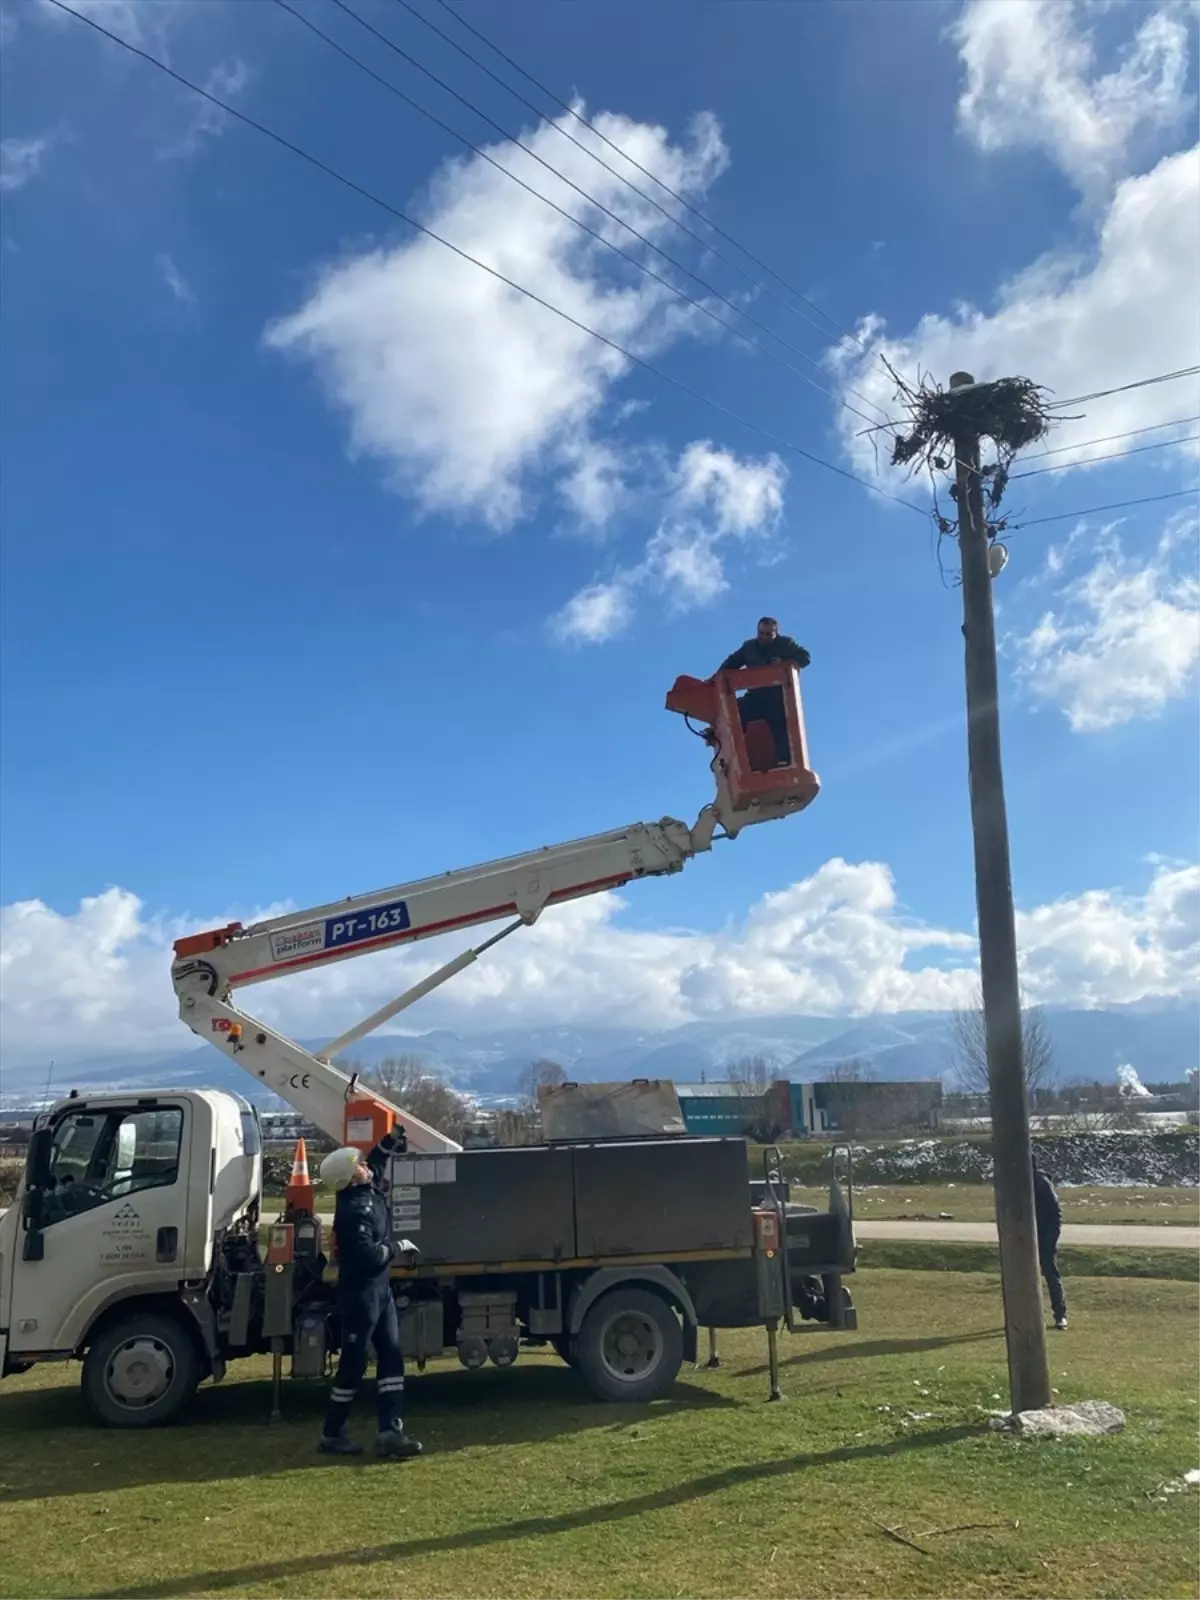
[[166, 1244]]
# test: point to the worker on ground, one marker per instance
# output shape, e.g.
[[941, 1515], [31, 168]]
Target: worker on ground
[[362, 1229], [1048, 1214], [766, 705]]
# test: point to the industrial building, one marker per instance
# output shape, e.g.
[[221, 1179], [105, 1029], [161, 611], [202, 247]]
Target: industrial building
[[786, 1110]]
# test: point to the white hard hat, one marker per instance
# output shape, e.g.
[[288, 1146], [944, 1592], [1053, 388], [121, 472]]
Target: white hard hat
[[339, 1166]]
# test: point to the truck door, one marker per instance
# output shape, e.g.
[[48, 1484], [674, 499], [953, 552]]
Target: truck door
[[113, 1218]]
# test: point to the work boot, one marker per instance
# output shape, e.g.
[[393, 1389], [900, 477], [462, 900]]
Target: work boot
[[338, 1444], [397, 1445]]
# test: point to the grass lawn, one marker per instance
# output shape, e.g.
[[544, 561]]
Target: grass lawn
[[1075, 1261], [529, 1488], [974, 1202]]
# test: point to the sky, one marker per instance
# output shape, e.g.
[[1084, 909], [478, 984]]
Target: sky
[[332, 559]]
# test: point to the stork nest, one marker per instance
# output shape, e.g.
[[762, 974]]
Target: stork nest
[[1011, 412]]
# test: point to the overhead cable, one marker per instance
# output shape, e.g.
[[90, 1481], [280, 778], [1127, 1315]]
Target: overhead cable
[[1113, 455], [1092, 511], [1124, 388], [615, 216], [633, 162], [1110, 438], [697, 305], [420, 227]]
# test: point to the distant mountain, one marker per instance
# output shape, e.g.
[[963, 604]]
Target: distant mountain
[[1159, 1040]]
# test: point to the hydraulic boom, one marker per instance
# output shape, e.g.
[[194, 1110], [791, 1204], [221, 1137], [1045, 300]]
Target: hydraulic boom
[[210, 966]]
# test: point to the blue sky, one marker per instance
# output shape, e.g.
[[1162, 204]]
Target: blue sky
[[327, 562]]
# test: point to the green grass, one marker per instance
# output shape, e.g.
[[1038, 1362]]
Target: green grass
[[974, 1202], [1075, 1261], [529, 1488]]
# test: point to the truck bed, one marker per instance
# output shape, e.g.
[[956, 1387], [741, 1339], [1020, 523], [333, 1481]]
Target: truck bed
[[541, 1205]]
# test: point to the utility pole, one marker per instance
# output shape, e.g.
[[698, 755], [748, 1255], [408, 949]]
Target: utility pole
[[1020, 1276]]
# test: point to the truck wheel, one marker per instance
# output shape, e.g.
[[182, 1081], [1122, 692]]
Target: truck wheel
[[564, 1347], [141, 1372], [630, 1346]]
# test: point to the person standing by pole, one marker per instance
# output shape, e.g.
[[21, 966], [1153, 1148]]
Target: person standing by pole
[[1012, 1151], [1049, 1229]]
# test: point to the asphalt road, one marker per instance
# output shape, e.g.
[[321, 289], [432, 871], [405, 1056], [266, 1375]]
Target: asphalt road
[[1144, 1236], [1148, 1236]]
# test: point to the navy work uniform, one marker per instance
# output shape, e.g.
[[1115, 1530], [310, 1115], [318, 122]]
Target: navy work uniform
[[362, 1228], [767, 647]]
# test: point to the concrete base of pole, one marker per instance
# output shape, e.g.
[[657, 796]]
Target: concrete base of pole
[[1082, 1419]]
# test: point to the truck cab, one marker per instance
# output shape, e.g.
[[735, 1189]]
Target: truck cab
[[124, 1200]]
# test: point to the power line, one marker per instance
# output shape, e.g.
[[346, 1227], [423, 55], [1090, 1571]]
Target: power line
[[1124, 388], [633, 162], [464, 255], [697, 305], [1111, 438], [1113, 455], [600, 206], [1089, 511]]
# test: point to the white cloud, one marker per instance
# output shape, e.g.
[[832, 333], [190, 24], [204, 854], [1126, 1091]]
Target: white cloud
[[20, 161], [837, 942], [597, 613], [1074, 323], [1123, 638], [227, 80], [1032, 79], [174, 279], [711, 497], [1102, 947], [465, 390]]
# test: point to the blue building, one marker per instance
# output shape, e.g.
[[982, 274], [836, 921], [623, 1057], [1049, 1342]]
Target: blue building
[[800, 1110], [720, 1108]]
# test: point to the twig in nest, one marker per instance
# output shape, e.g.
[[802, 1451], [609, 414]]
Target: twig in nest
[[901, 1538]]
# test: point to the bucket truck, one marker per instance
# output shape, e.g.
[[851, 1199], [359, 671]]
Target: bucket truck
[[136, 1240]]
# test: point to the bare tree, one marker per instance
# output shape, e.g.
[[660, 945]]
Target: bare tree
[[515, 1125], [752, 1077], [542, 1074], [970, 1050], [850, 1071], [414, 1086], [752, 1074]]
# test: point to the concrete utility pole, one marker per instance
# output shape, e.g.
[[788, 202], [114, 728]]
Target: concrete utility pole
[[1024, 1321]]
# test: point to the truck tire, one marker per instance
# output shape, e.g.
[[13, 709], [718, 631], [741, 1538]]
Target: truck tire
[[141, 1371], [564, 1347], [630, 1346]]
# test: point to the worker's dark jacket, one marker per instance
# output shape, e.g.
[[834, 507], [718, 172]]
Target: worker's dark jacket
[[1047, 1211], [362, 1223], [756, 654]]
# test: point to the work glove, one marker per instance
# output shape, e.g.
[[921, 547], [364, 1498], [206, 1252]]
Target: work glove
[[396, 1142], [405, 1253]]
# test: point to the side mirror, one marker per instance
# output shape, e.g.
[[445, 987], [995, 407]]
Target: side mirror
[[37, 1175], [37, 1161]]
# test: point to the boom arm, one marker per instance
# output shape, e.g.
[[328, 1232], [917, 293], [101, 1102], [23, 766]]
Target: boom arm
[[210, 966]]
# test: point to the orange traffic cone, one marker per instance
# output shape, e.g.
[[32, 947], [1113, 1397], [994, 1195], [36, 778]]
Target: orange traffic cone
[[300, 1194]]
